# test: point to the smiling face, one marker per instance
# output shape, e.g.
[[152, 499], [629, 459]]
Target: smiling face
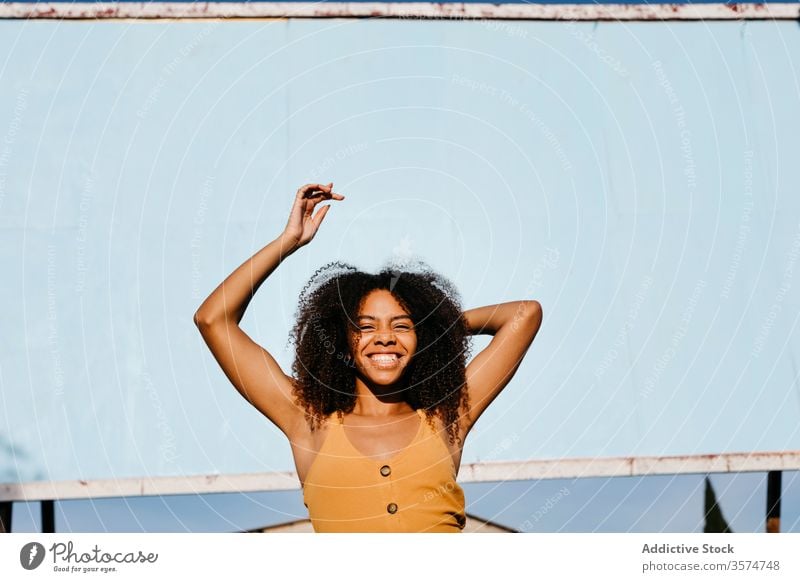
[[384, 340]]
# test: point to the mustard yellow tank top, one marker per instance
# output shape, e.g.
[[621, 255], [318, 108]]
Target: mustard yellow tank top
[[413, 491]]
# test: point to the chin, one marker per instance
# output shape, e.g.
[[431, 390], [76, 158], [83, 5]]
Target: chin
[[382, 379]]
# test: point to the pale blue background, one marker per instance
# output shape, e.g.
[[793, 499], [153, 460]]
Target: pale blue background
[[141, 162]]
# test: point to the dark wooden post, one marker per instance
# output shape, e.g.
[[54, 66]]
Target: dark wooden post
[[774, 502]]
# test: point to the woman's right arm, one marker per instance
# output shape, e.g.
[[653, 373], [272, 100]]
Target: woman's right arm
[[249, 367]]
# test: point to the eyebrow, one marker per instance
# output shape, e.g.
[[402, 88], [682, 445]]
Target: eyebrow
[[392, 319]]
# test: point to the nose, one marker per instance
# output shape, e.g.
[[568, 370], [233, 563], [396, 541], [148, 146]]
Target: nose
[[385, 337]]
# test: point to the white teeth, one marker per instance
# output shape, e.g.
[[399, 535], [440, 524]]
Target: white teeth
[[385, 360]]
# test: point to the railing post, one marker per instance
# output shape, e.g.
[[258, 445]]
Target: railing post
[[48, 516], [774, 502], [5, 516]]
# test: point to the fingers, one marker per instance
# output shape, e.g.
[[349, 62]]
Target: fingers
[[303, 216], [324, 191], [317, 218], [310, 190]]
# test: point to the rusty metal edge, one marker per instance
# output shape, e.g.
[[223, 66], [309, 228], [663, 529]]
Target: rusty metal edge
[[579, 468], [411, 11]]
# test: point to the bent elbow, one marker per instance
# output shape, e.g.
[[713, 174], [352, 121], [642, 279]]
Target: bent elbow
[[533, 312], [201, 320], [533, 308], [528, 316]]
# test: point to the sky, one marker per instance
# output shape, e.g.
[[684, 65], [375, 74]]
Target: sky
[[152, 159]]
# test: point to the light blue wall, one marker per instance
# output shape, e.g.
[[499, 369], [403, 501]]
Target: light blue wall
[[639, 179]]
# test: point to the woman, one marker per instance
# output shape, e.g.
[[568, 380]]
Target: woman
[[381, 400]]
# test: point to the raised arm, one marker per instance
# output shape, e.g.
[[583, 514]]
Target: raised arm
[[249, 367], [514, 326]]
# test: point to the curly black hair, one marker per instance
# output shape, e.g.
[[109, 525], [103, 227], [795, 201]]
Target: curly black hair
[[435, 378]]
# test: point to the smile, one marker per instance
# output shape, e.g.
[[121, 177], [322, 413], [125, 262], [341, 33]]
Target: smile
[[385, 361]]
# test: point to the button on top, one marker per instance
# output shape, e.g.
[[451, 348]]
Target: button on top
[[386, 470], [391, 508]]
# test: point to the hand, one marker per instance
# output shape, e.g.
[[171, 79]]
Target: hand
[[302, 226]]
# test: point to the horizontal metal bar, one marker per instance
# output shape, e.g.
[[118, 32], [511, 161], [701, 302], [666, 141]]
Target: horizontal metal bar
[[415, 10], [144, 486], [469, 473], [629, 466]]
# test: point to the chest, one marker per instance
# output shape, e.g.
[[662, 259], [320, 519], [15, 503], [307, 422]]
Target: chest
[[381, 442]]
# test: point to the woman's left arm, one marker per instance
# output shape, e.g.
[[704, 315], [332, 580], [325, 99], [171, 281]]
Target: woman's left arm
[[514, 325]]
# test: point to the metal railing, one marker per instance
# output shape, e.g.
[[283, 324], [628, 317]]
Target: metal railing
[[412, 10], [47, 492]]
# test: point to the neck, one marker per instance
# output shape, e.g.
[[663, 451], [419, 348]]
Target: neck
[[378, 400]]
